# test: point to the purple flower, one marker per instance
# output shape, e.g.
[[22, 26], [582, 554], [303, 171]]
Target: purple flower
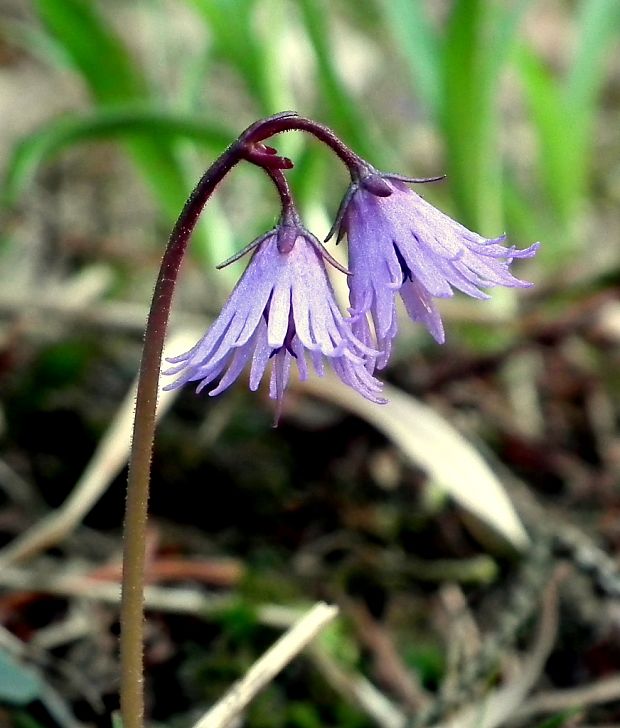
[[398, 242], [282, 309]]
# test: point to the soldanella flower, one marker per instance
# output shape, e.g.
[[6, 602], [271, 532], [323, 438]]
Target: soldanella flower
[[399, 243], [282, 310]]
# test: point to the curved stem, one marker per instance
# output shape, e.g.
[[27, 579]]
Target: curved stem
[[131, 641], [289, 121], [132, 599], [284, 191], [249, 147]]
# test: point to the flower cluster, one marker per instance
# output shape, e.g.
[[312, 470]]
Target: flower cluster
[[283, 309]]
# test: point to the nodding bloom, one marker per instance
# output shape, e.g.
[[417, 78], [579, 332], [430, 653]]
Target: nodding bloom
[[399, 243], [282, 308]]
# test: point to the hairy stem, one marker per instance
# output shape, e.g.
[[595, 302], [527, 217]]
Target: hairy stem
[[132, 698], [289, 121], [249, 147]]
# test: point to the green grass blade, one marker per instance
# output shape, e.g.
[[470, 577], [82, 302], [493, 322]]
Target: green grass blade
[[498, 46], [99, 56], [478, 43], [599, 26], [564, 146], [272, 58], [465, 109], [420, 48], [497, 50], [231, 24], [345, 115], [557, 157], [92, 49], [114, 123]]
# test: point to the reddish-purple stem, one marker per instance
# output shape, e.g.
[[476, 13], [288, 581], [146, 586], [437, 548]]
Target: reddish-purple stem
[[249, 147]]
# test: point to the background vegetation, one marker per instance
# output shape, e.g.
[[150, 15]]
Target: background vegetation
[[111, 111]]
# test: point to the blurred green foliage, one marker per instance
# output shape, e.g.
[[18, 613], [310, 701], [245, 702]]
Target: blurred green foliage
[[454, 69], [465, 75]]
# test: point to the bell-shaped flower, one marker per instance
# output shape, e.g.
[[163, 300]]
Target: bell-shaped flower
[[282, 310], [399, 243]]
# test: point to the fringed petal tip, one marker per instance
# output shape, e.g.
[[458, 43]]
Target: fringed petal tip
[[514, 253], [171, 371], [283, 309], [173, 385], [436, 330], [178, 358], [528, 252], [401, 244]]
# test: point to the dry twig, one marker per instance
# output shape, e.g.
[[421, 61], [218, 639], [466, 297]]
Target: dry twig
[[268, 666], [603, 691]]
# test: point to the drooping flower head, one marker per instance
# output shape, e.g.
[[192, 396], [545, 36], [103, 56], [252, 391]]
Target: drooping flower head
[[282, 309], [399, 243]]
